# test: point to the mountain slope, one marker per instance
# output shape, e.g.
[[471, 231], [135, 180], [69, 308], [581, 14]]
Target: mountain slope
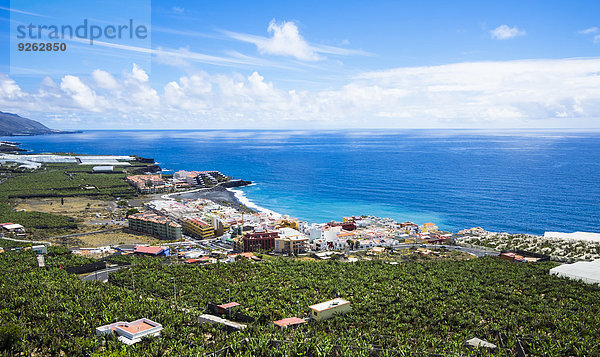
[[13, 124]]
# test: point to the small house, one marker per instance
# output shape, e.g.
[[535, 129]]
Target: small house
[[13, 228], [328, 309], [152, 251], [39, 249], [131, 332], [225, 308]]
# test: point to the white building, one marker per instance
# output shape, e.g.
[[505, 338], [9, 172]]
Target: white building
[[290, 241], [328, 309], [314, 231], [131, 332], [334, 244]]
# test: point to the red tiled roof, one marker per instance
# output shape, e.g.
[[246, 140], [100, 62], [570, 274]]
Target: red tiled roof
[[289, 322], [149, 250]]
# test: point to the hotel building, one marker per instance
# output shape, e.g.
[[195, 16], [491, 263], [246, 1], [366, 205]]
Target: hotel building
[[159, 226], [198, 228]]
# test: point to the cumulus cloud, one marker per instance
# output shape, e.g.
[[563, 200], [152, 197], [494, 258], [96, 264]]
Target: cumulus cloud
[[9, 89], [475, 94], [104, 79], [285, 40], [505, 32], [79, 92]]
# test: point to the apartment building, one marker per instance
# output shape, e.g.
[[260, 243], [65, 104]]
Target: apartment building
[[153, 224]]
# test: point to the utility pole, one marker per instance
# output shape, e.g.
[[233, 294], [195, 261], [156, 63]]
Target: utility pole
[[174, 291], [132, 277], [242, 228], [229, 309]]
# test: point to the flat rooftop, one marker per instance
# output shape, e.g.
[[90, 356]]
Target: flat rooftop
[[329, 304], [136, 327]]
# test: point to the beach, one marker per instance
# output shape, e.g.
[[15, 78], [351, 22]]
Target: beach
[[218, 194], [222, 195]]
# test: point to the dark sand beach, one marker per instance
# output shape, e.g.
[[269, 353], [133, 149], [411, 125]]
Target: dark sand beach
[[217, 194]]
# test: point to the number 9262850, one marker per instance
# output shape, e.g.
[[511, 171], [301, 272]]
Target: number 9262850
[[42, 46]]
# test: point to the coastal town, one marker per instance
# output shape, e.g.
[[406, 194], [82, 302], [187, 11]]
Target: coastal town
[[200, 214]]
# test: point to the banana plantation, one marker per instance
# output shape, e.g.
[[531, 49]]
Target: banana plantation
[[409, 309]]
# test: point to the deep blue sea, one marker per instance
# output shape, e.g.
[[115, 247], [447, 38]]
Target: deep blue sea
[[512, 181]]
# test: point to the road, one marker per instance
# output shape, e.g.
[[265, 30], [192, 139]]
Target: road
[[27, 241], [100, 275], [475, 251]]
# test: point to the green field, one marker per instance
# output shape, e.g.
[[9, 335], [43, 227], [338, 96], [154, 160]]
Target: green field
[[405, 309], [57, 180], [65, 180]]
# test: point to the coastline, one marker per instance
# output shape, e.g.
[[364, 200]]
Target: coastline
[[217, 194], [240, 196], [220, 194], [404, 195]]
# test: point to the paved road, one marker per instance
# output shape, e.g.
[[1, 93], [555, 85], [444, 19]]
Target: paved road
[[475, 251], [27, 241], [100, 275]]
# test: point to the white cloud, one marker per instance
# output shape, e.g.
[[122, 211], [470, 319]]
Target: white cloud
[[592, 31], [79, 92], [138, 74], [9, 89], [504, 32], [11, 9], [589, 31], [104, 79], [286, 40], [535, 93], [139, 94]]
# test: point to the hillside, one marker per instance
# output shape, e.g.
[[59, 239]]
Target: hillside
[[13, 124], [408, 309]]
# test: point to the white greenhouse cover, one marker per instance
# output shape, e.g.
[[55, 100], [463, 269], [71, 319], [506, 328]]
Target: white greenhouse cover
[[588, 272], [582, 236]]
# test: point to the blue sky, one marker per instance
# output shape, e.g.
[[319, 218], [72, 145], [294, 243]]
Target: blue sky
[[310, 64]]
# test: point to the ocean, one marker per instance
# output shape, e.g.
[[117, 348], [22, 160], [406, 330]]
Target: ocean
[[511, 181]]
